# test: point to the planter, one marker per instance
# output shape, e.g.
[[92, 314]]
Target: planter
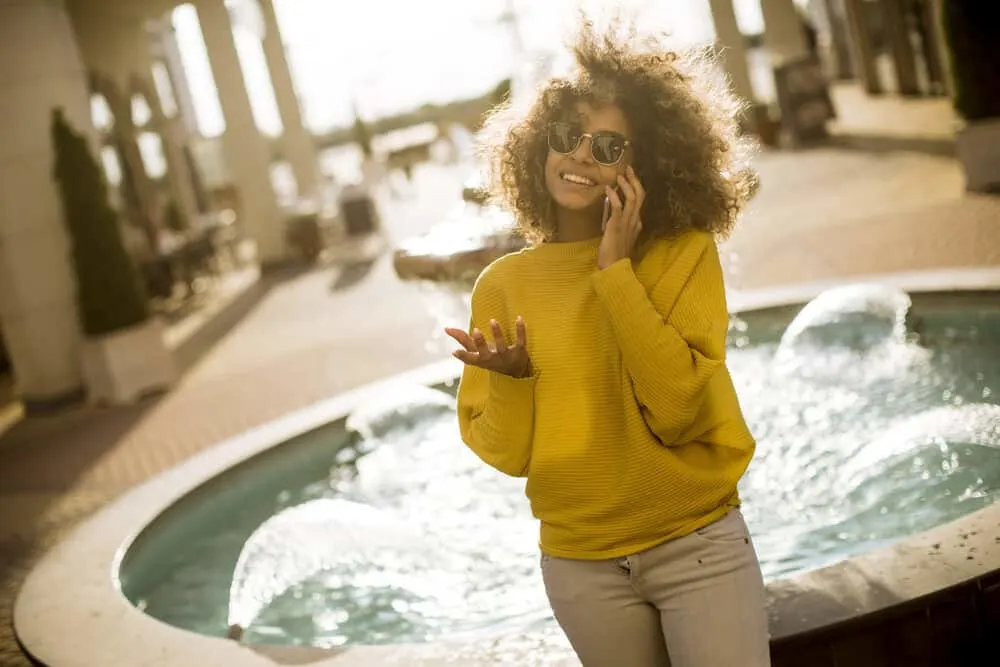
[[123, 366], [978, 149]]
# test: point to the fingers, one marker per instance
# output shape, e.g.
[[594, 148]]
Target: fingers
[[521, 332], [640, 192], [616, 204], [461, 338], [482, 347], [469, 355], [634, 197], [477, 351], [498, 337], [466, 357], [629, 208]]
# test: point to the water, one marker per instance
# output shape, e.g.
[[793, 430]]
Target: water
[[864, 438]]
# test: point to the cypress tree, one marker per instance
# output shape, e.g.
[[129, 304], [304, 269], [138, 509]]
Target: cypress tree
[[110, 295]]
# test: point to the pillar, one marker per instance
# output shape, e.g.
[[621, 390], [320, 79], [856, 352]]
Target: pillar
[[731, 40], [170, 53], [173, 139], [296, 142], [862, 48], [247, 153], [112, 45], [184, 125], [784, 35], [927, 18], [904, 57], [173, 134], [37, 287], [145, 210], [839, 39]]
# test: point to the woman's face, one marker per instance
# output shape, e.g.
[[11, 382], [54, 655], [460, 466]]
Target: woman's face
[[576, 180]]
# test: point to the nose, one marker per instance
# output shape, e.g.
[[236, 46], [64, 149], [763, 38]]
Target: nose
[[583, 153]]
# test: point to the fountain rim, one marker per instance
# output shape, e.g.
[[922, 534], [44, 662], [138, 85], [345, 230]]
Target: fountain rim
[[70, 610]]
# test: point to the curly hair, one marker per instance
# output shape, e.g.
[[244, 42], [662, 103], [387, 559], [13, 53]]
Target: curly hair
[[689, 152]]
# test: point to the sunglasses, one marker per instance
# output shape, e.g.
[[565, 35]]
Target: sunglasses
[[608, 148]]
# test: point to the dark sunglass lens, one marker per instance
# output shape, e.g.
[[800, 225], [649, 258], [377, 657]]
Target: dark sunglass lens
[[563, 137], [608, 148]]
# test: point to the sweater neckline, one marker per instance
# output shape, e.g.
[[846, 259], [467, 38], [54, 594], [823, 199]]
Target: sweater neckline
[[583, 248]]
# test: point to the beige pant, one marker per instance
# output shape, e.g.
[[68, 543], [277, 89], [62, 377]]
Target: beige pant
[[699, 599]]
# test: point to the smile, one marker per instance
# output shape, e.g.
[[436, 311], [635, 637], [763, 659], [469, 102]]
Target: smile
[[576, 179]]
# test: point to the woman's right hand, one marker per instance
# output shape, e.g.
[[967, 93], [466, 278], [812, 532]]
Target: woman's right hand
[[510, 360]]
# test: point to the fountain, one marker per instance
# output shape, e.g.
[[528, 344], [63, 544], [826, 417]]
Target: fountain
[[363, 528]]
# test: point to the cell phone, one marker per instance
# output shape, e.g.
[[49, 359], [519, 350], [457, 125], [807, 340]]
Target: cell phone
[[607, 207]]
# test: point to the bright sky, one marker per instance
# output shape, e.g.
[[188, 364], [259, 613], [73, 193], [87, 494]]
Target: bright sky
[[392, 55]]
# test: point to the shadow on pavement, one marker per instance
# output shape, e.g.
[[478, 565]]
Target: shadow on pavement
[[871, 143], [352, 274]]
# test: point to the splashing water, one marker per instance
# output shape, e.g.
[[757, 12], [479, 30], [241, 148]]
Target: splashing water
[[402, 406], [317, 536], [856, 317], [470, 519], [411, 538]]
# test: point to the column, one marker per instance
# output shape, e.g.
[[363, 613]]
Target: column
[[173, 138], [933, 11], [247, 153], [37, 287], [173, 134], [730, 39], [170, 53], [861, 46], [184, 125], [784, 36], [904, 58], [145, 212], [111, 47], [296, 142], [839, 39]]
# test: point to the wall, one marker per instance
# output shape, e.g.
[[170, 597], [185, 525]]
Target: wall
[[40, 69]]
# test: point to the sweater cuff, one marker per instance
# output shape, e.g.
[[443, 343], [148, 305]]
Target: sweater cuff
[[512, 394]]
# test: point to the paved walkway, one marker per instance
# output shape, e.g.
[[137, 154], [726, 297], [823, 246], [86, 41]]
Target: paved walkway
[[876, 200]]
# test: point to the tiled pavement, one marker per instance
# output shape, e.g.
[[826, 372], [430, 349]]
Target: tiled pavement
[[892, 202]]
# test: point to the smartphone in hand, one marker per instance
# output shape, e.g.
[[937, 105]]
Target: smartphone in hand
[[607, 207]]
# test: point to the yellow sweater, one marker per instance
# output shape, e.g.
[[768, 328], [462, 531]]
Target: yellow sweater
[[629, 430]]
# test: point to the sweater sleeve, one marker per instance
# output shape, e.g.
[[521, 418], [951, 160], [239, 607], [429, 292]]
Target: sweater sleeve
[[672, 339], [496, 411]]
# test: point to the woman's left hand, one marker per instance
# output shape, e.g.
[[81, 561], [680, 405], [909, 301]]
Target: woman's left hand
[[624, 225]]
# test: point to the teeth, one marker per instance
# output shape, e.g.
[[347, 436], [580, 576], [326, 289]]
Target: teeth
[[580, 180]]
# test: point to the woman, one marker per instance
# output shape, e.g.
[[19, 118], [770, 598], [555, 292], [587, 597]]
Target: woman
[[595, 362]]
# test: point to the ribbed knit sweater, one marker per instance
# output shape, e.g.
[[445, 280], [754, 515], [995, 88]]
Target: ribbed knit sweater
[[629, 430]]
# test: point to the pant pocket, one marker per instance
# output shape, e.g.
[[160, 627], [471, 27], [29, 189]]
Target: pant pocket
[[730, 529]]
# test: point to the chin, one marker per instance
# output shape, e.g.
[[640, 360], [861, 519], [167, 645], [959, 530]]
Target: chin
[[578, 202]]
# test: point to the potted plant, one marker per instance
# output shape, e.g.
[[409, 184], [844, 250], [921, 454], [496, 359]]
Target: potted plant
[[970, 32], [123, 353]]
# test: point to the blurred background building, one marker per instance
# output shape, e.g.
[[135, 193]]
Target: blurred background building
[[219, 123]]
